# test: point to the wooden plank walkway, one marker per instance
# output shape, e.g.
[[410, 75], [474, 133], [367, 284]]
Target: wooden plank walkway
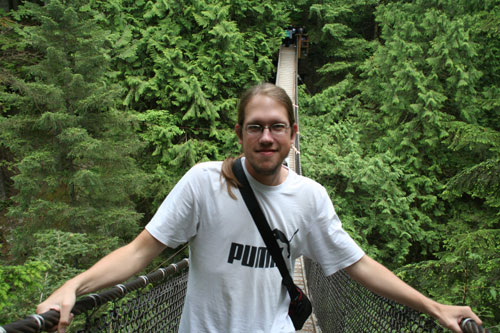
[[286, 78]]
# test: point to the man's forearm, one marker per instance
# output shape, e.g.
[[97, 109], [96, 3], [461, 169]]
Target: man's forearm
[[382, 281], [387, 284]]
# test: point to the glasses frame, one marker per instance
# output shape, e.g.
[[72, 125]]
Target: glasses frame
[[276, 129]]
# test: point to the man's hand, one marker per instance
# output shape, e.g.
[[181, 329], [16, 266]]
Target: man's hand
[[451, 316], [62, 300]]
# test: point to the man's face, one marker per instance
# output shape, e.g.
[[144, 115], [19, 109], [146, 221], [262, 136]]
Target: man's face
[[265, 151]]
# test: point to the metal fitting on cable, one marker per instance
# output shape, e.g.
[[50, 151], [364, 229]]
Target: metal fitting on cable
[[145, 279], [468, 325], [122, 288], [39, 320], [175, 267], [2, 330], [464, 322], [94, 298], [162, 270]]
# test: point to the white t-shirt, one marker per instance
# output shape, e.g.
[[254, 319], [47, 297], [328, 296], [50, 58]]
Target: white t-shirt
[[233, 283]]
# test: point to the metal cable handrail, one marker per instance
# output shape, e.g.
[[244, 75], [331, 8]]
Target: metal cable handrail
[[50, 319], [341, 304]]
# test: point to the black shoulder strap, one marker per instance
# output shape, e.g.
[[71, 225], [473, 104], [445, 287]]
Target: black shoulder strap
[[264, 229]]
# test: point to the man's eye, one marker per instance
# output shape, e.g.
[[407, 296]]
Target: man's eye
[[279, 127], [254, 128]]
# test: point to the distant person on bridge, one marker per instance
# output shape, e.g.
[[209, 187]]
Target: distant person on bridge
[[233, 285], [289, 35]]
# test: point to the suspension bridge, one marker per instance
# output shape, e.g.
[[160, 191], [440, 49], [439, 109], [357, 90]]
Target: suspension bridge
[[153, 302]]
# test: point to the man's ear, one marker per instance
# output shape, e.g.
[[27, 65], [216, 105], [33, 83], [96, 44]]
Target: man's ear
[[237, 129], [295, 130]]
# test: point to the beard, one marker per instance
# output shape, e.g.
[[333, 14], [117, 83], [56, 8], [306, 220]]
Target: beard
[[269, 171]]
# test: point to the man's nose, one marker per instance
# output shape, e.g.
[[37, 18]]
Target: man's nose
[[266, 135]]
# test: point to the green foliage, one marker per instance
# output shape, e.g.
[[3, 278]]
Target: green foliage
[[365, 188], [19, 287], [407, 141], [401, 124], [73, 149], [480, 179], [58, 256], [342, 35], [13, 55], [467, 272], [68, 254], [183, 66]]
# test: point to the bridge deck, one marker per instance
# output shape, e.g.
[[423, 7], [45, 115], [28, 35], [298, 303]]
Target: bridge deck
[[286, 78]]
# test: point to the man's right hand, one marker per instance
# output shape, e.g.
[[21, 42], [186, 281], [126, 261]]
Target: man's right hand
[[62, 301]]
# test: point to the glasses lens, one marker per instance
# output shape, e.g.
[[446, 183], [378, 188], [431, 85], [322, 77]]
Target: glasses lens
[[254, 129], [279, 128]]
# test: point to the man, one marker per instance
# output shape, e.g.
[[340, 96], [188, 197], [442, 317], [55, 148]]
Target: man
[[233, 283]]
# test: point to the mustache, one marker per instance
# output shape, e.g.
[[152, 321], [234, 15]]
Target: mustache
[[266, 146], [266, 149]]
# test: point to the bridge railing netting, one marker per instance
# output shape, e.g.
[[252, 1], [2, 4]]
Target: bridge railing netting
[[153, 303], [340, 304], [149, 303], [156, 310]]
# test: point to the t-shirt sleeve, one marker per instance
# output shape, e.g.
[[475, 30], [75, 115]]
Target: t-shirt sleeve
[[327, 242], [177, 218]]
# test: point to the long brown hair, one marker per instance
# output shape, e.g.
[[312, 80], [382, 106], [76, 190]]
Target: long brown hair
[[265, 89]]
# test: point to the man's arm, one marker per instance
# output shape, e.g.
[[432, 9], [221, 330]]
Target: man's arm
[[382, 281], [114, 268]]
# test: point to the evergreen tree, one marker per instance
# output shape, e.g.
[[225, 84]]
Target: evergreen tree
[[342, 35], [73, 148]]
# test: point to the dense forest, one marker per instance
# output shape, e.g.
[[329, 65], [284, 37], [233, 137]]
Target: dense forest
[[105, 104]]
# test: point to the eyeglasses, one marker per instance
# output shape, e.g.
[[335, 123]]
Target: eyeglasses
[[275, 129]]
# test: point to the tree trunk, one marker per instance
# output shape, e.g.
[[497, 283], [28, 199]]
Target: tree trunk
[[3, 192]]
